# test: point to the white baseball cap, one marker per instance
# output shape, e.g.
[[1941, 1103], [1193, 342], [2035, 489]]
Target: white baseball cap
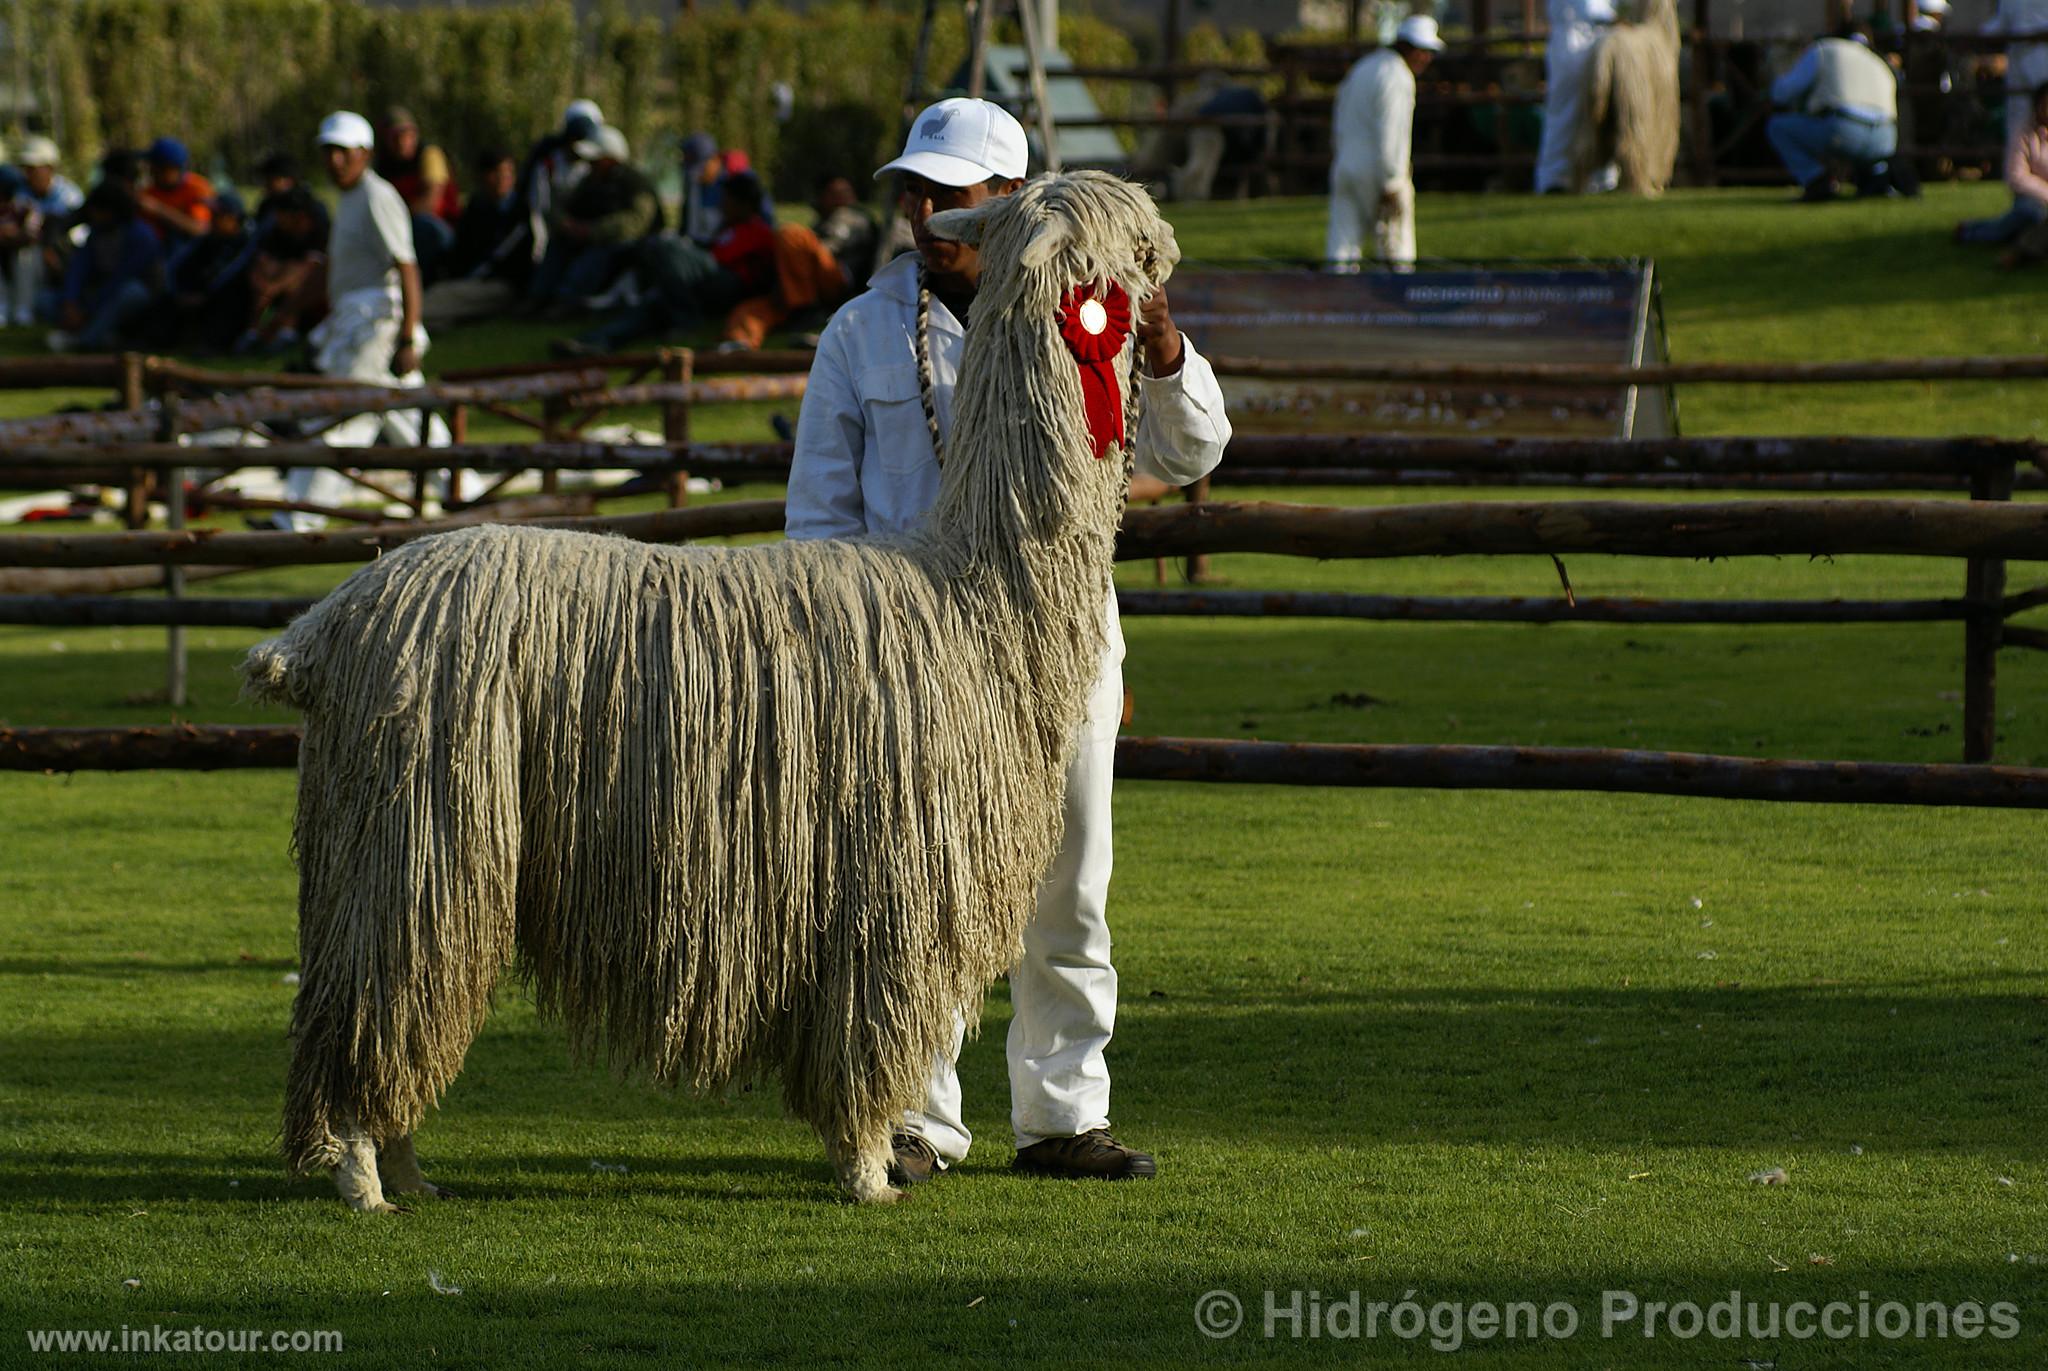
[[959, 142], [587, 108], [38, 151], [1932, 6], [1419, 31], [609, 143], [343, 129]]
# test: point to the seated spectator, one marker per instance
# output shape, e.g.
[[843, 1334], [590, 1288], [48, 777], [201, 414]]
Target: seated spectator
[[689, 286], [705, 172], [209, 284], [845, 227], [487, 270], [419, 172], [281, 174], [111, 279], [611, 211], [1842, 103], [288, 275], [552, 169], [808, 278], [177, 202], [2026, 176], [21, 253]]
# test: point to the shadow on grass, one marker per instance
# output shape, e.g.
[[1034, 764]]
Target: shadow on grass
[[1913, 1066]]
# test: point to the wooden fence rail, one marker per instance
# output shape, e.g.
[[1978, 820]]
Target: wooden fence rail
[[1729, 528], [196, 747]]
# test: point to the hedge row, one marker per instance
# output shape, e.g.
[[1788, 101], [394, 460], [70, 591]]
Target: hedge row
[[238, 78]]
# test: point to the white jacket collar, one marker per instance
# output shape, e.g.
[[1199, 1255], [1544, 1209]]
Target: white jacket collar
[[898, 280]]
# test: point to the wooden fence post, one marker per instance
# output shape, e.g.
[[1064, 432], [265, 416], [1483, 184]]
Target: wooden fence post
[[552, 411], [1984, 631], [135, 397], [678, 367], [458, 435], [1196, 568], [175, 671]]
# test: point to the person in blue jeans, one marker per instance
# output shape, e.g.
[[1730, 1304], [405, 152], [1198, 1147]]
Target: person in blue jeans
[[1841, 103], [112, 279]]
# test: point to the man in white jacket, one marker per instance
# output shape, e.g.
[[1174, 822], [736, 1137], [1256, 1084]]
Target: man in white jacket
[[868, 447], [1576, 28], [1372, 135]]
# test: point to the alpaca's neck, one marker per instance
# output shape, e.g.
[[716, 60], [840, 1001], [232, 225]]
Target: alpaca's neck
[[1025, 523]]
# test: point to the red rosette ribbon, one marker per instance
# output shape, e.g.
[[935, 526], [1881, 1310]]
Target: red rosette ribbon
[[1095, 323]]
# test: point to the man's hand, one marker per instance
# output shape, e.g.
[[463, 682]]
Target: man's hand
[[406, 360], [1158, 336], [1390, 203]]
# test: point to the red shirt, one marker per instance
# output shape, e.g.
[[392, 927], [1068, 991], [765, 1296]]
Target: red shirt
[[748, 252]]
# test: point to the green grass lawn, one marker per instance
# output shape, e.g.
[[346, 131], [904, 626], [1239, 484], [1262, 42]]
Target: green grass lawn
[[1478, 1047]]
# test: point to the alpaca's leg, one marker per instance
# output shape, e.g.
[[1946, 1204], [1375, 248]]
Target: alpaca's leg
[[355, 1176], [400, 1167], [863, 1168]]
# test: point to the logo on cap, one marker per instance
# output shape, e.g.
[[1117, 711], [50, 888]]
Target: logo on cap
[[934, 126]]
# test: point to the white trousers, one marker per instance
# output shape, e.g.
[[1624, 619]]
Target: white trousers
[[1355, 202], [1567, 59], [359, 348], [1063, 989], [27, 279]]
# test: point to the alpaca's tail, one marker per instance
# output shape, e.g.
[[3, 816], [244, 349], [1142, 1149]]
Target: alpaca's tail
[[407, 833], [1633, 102], [1593, 143]]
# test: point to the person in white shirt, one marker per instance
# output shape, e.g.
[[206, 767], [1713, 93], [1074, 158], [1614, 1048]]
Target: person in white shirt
[[1576, 27], [1841, 104], [372, 331], [48, 201], [868, 447], [1373, 133]]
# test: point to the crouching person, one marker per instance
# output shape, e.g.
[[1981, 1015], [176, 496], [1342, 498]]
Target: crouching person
[[372, 331], [868, 451]]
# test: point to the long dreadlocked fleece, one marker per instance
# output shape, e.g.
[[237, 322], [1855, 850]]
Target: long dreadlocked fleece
[[1632, 116], [729, 811]]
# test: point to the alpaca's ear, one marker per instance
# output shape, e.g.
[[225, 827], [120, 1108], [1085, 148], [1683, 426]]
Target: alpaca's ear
[[1053, 235], [962, 225]]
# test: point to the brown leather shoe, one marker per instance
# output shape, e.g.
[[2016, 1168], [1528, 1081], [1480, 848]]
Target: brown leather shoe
[[912, 1160], [1093, 1155]]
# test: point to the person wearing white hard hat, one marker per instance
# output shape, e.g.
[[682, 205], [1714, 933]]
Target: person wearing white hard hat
[[32, 243], [1928, 15], [372, 331], [1372, 133], [869, 442], [1576, 28]]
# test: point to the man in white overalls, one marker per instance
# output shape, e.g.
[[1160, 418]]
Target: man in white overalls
[[1576, 28]]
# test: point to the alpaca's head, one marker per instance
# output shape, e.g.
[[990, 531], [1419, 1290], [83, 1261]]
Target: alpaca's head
[[1067, 263], [1060, 231]]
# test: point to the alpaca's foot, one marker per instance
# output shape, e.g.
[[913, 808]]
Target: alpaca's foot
[[399, 1166], [356, 1175], [864, 1172]]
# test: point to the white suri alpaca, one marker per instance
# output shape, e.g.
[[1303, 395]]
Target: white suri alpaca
[[1632, 117], [734, 812]]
